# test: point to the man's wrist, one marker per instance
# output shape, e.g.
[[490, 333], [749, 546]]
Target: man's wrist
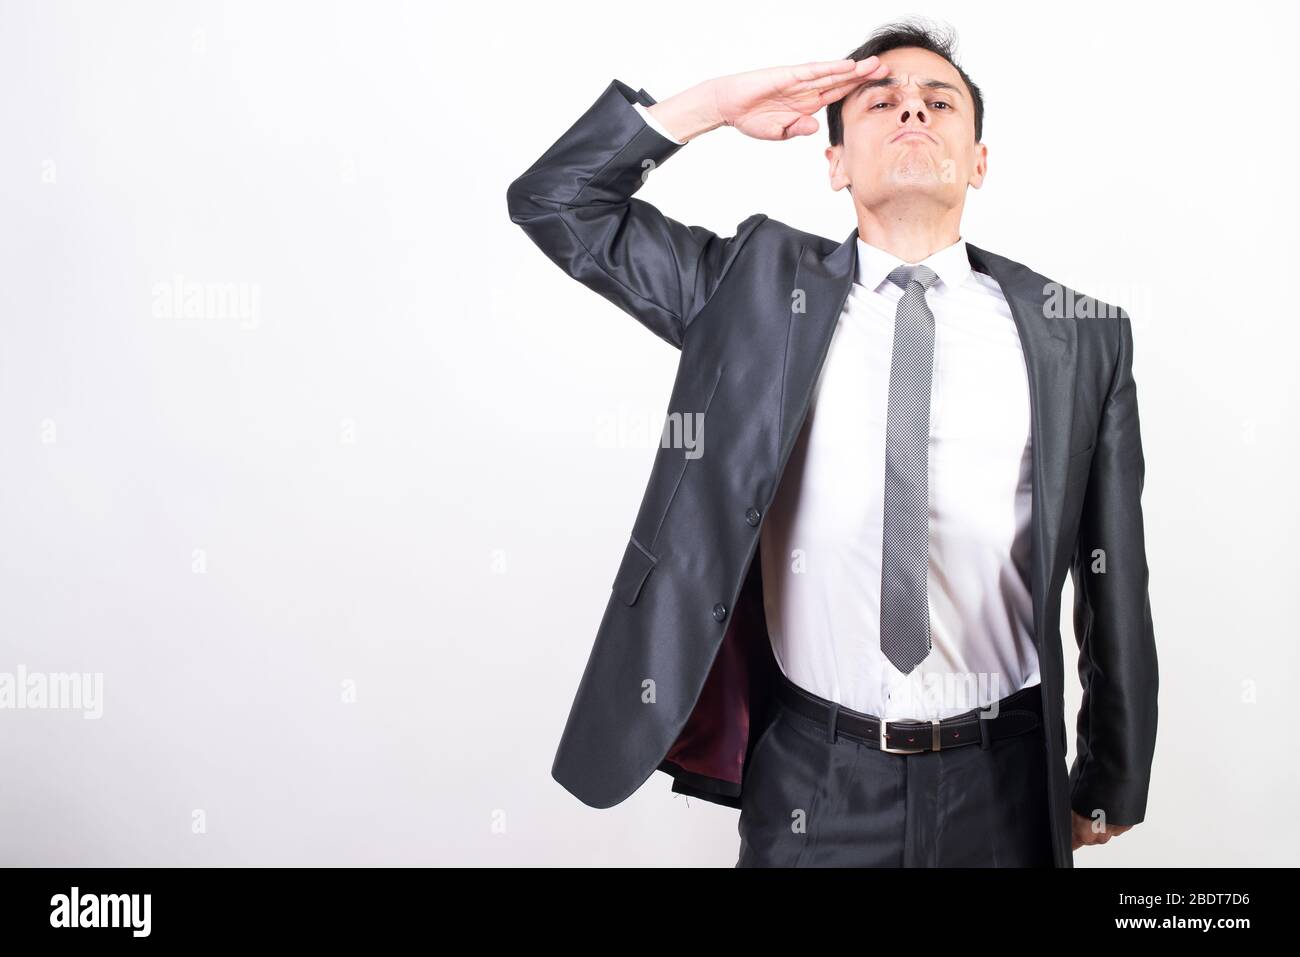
[[688, 114]]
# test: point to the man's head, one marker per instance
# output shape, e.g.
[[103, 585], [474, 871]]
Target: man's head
[[914, 135]]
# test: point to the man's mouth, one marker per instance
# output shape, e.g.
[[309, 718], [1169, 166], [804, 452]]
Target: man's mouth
[[908, 134]]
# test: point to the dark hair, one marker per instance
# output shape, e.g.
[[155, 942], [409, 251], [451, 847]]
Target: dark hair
[[909, 33]]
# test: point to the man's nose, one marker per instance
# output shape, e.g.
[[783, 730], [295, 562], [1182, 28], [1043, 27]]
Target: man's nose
[[914, 108]]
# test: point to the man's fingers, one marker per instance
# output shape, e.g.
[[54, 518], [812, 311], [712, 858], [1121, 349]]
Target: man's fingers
[[830, 95], [861, 70], [811, 71], [803, 126], [826, 82], [830, 88], [832, 71], [840, 90]]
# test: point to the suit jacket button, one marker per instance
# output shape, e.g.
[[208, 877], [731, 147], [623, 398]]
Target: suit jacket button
[[752, 515], [719, 611]]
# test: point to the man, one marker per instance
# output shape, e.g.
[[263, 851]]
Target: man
[[839, 613]]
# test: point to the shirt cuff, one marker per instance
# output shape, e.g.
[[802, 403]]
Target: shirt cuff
[[656, 125]]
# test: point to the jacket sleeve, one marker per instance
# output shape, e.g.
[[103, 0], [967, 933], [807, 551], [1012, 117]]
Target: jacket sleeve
[[1112, 615], [576, 203]]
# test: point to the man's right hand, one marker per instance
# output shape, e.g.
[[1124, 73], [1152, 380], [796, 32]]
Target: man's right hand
[[776, 103]]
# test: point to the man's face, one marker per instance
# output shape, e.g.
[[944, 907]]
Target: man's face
[[911, 133]]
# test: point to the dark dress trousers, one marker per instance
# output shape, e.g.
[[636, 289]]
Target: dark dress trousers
[[817, 798], [680, 676]]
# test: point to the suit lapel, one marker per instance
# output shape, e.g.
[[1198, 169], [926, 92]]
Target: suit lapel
[[821, 285], [1050, 349]]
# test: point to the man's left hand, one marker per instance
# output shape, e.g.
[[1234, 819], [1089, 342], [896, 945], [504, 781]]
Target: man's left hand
[[1084, 832]]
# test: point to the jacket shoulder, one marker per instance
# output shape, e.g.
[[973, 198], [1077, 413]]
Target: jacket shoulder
[[1059, 300], [792, 235]]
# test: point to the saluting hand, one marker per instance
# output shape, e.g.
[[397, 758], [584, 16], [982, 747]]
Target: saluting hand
[[775, 103]]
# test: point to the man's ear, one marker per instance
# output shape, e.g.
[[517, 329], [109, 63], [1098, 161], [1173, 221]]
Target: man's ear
[[838, 177], [981, 165]]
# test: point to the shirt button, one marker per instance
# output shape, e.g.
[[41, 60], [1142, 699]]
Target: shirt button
[[752, 515], [719, 611]]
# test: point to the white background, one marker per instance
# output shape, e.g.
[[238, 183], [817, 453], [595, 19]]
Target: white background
[[350, 162]]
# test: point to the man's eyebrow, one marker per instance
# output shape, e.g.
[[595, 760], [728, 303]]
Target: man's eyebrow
[[893, 81]]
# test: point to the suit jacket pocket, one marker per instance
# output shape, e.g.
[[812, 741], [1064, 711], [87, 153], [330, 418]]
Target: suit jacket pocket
[[633, 571]]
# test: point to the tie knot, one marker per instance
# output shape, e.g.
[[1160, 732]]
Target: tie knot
[[904, 276]]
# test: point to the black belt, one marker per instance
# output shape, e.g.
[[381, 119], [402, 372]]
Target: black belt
[[1016, 713]]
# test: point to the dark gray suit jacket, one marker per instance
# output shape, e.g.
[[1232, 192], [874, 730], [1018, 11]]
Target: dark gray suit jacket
[[681, 667]]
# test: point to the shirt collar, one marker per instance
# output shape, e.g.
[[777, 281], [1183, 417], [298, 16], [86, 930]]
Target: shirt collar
[[951, 264]]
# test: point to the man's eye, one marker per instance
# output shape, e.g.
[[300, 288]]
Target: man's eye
[[941, 103], [881, 103]]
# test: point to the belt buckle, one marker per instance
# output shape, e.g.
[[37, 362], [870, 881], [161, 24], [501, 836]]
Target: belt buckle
[[934, 740]]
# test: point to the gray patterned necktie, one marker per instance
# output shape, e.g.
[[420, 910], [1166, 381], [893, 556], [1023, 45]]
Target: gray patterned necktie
[[905, 548]]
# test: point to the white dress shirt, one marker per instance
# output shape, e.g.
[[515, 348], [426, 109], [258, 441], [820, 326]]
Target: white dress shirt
[[656, 125], [821, 539]]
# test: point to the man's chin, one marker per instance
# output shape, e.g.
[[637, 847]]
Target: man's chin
[[915, 175]]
